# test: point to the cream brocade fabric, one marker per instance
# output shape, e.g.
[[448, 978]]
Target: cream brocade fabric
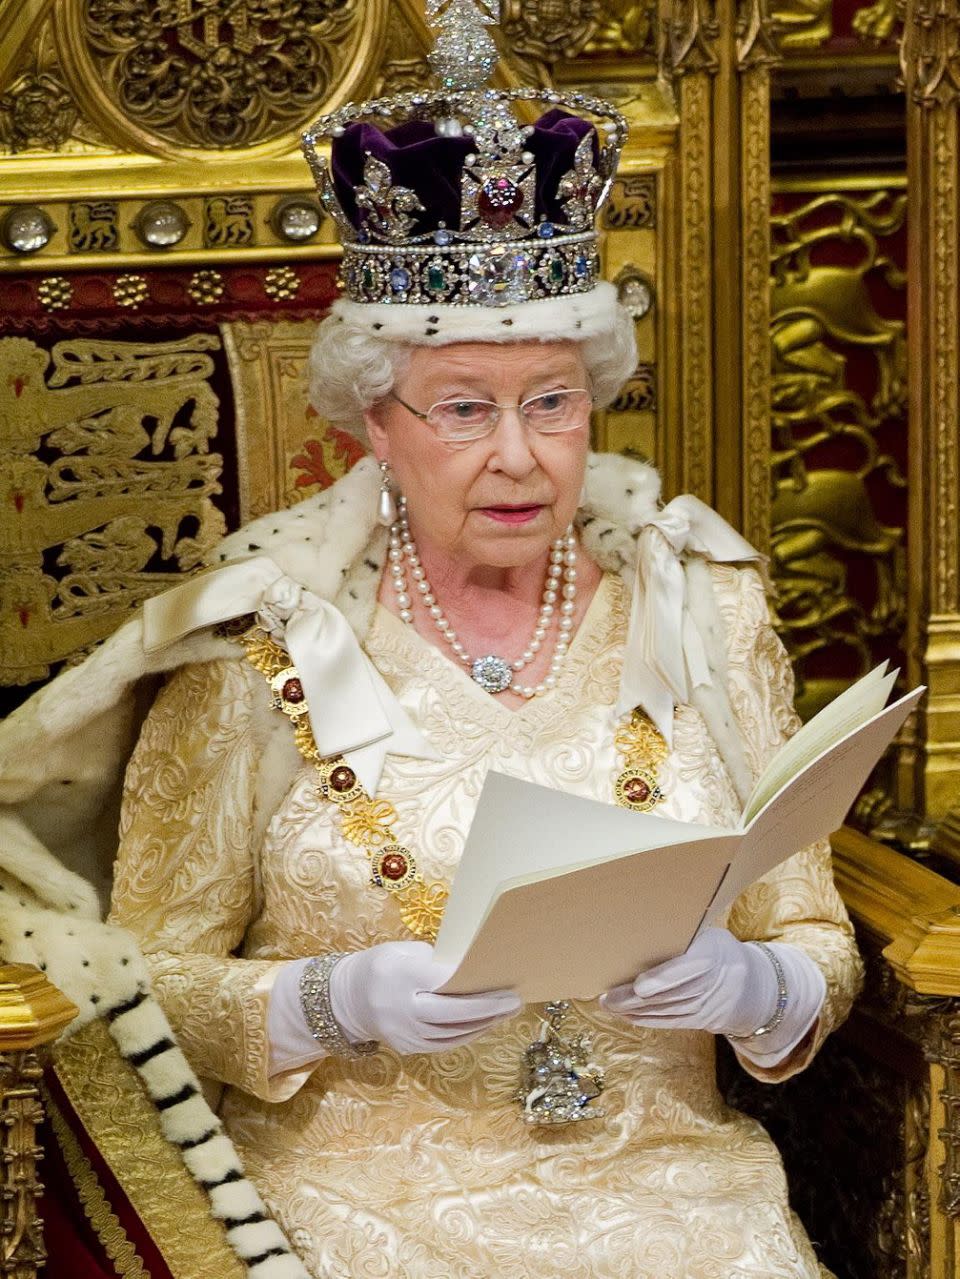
[[419, 1167]]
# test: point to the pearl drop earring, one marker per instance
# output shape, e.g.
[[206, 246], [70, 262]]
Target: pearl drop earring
[[386, 506]]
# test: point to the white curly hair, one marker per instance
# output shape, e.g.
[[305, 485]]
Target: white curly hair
[[351, 369]]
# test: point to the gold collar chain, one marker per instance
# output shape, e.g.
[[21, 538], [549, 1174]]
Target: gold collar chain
[[365, 822], [559, 1081]]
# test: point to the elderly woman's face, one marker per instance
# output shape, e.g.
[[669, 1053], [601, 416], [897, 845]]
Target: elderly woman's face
[[499, 500]]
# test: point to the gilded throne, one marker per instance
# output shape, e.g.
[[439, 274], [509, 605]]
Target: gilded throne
[[157, 309]]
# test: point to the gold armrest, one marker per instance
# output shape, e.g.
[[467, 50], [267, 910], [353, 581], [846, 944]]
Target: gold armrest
[[912, 911], [32, 1010]]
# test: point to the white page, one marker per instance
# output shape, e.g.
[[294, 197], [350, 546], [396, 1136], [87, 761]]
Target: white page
[[855, 705], [573, 935], [556, 893], [817, 801], [522, 829]]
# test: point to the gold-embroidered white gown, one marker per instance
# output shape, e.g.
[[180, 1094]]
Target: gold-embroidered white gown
[[420, 1167]]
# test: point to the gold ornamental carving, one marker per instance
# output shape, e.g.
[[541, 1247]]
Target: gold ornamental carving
[[624, 27], [822, 318], [931, 50], [107, 474], [195, 76], [695, 353], [32, 1013], [405, 68], [36, 111], [236, 226], [21, 1234], [227, 221], [945, 317], [548, 30], [93, 226], [948, 470], [929, 762], [632, 204], [756, 41], [755, 318], [913, 914], [913, 1235], [943, 1050], [692, 32], [802, 25], [214, 75]]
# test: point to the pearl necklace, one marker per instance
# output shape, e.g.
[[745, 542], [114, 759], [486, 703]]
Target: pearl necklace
[[494, 674]]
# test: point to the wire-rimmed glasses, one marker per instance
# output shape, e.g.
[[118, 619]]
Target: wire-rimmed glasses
[[461, 421]]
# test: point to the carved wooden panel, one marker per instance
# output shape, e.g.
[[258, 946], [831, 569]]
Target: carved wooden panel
[[110, 470], [839, 399], [836, 28]]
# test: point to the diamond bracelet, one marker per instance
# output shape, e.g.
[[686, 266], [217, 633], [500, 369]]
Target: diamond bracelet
[[315, 1002], [781, 1007]]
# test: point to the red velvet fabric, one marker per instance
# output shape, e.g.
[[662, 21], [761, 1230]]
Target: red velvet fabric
[[74, 1250], [88, 306]]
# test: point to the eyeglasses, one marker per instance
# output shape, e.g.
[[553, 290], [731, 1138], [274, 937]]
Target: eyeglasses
[[463, 421]]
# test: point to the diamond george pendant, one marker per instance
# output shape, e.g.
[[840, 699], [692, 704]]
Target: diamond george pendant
[[559, 1083]]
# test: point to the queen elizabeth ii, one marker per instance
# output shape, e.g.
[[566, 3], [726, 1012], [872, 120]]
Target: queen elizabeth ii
[[480, 592]]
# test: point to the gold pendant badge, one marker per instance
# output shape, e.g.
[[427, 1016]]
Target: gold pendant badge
[[643, 750]]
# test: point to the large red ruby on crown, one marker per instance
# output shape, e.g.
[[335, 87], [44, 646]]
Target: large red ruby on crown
[[342, 779], [498, 201]]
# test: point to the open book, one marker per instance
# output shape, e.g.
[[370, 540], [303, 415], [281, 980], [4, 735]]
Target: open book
[[559, 896]]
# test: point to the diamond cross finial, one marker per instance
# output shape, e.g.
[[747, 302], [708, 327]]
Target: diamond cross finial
[[486, 11]]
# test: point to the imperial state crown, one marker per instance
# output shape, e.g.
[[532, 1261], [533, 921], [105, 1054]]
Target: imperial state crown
[[447, 198]]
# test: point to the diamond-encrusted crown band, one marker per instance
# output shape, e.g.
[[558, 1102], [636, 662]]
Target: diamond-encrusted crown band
[[488, 275]]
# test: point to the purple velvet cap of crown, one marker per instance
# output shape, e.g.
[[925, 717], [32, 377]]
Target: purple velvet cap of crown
[[431, 165]]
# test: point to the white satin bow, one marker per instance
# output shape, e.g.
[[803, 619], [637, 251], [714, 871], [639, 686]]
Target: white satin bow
[[665, 656], [352, 711]]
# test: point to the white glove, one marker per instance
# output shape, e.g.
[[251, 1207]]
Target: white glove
[[728, 987], [386, 993]]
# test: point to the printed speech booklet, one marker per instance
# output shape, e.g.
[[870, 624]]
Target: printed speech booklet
[[558, 896]]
